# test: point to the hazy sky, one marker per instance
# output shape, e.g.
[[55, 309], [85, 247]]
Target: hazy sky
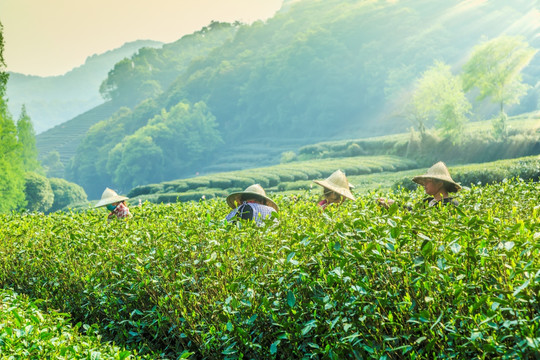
[[50, 37]]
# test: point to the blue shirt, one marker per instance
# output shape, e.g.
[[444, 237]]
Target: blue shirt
[[251, 211]]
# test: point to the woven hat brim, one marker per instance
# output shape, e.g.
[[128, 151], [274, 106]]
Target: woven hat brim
[[421, 178], [110, 200], [233, 200], [338, 189]]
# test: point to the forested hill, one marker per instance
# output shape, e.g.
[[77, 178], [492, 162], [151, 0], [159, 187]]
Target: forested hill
[[52, 100], [317, 69]]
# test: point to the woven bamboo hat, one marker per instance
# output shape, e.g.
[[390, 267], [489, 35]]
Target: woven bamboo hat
[[337, 182], [255, 192], [439, 171], [110, 196]]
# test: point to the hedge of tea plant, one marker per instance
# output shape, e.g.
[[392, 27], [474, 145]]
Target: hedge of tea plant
[[525, 168], [269, 177], [26, 332], [353, 282]]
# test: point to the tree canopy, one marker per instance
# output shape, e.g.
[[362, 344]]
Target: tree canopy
[[495, 69], [439, 98], [11, 164]]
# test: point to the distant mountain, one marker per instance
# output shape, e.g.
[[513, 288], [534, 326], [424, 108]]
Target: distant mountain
[[55, 99]]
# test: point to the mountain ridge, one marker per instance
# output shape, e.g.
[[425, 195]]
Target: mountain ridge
[[51, 100]]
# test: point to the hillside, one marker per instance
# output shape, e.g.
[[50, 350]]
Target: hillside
[[317, 70], [66, 137], [370, 163], [53, 100]]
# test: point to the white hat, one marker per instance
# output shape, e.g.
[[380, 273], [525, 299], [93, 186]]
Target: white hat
[[110, 196], [252, 192], [338, 183], [439, 171]]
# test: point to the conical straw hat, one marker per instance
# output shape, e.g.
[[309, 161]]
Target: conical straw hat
[[110, 196], [252, 192], [439, 171], [337, 182]]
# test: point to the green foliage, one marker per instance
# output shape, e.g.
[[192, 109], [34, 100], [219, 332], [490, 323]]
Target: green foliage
[[11, 164], [478, 143], [38, 192], [27, 138], [500, 130], [287, 156], [145, 189], [150, 70], [28, 332], [278, 177], [66, 193], [526, 168], [315, 70], [356, 281], [173, 142], [52, 165], [495, 70], [3, 74], [439, 96]]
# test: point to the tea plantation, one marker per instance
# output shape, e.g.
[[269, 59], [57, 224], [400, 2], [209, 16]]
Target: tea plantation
[[353, 282]]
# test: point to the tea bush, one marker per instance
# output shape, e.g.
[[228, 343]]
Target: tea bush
[[27, 332], [273, 176], [353, 282]]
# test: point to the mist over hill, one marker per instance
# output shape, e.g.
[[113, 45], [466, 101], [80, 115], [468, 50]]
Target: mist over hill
[[52, 100], [225, 96]]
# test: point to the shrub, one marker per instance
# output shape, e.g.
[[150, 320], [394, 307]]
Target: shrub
[[355, 281], [38, 192], [355, 150], [242, 182], [48, 335], [66, 193], [220, 182], [145, 190], [168, 198], [194, 183], [176, 186], [405, 183], [287, 157]]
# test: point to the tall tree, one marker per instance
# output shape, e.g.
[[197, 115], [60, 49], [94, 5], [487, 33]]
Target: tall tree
[[439, 98], [495, 70], [11, 168], [27, 139]]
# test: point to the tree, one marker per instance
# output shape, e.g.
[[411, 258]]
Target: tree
[[38, 192], [52, 165], [11, 167], [66, 193], [27, 139], [439, 98], [127, 82], [170, 145], [136, 160], [495, 70]]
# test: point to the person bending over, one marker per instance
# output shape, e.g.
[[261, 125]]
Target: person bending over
[[251, 204]]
